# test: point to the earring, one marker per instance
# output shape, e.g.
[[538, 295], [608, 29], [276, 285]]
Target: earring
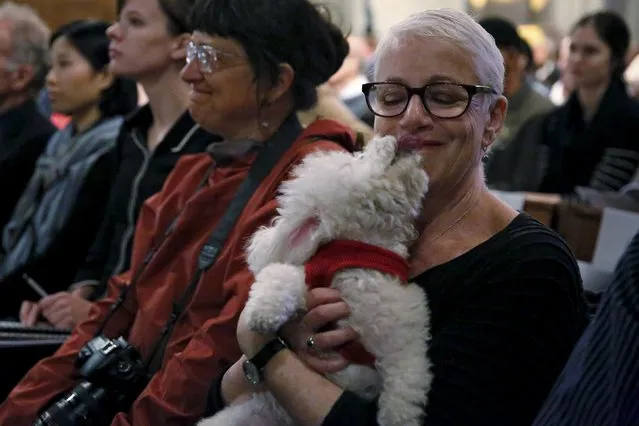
[[264, 123], [485, 150]]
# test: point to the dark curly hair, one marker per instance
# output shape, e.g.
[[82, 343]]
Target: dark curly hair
[[273, 32], [89, 38]]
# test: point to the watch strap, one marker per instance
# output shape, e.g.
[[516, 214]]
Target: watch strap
[[269, 350]]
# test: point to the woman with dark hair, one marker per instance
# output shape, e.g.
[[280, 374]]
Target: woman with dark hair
[[592, 140], [250, 67], [61, 209], [88, 37], [147, 44]]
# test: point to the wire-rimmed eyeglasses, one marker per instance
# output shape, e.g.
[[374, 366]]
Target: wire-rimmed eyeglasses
[[208, 57]]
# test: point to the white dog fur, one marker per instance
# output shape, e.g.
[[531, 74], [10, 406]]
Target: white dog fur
[[374, 197]]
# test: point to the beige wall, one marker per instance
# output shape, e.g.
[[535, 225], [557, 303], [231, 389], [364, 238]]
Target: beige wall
[[58, 12]]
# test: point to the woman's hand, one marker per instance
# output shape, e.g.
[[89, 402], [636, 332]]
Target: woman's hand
[[325, 307], [29, 313], [65, 310], [234, 385]]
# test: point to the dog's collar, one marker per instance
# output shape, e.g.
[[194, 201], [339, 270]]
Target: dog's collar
[[344, 254]]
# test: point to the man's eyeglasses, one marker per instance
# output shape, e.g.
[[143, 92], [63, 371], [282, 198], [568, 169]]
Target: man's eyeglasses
[[443, 100], [208, 57]]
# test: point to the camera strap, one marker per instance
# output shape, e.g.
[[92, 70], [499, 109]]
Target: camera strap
[[268, 156]]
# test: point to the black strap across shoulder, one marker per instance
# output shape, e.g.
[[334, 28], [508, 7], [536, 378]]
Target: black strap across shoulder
[[266, 159], [268, 156]]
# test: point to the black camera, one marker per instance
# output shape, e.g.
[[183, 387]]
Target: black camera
[[114, 375]]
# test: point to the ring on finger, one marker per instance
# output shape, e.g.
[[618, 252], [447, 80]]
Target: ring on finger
[[310, 342]]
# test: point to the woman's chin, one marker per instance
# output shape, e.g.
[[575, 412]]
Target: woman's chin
[[121, 69], [202, 118]]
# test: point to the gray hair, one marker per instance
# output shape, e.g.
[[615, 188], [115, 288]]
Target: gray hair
[[30, 40], [457, 28]]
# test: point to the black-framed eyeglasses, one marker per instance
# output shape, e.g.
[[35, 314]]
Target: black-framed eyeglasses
[[208, 57], [443, 100]]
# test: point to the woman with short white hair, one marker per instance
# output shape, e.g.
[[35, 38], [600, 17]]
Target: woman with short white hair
[[504, 291]]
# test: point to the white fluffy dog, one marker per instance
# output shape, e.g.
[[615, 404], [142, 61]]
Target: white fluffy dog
[[373, 197]]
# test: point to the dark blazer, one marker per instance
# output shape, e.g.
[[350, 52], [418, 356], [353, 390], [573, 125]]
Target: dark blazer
[[24, 132]]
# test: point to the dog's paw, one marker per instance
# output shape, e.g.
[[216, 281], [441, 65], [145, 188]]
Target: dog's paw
[[279, 292], [261, 323]]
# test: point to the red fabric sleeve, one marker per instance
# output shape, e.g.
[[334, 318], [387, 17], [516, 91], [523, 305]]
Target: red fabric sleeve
[[177, 394]]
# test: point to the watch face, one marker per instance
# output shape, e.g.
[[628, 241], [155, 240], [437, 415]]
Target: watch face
[[251, 373]]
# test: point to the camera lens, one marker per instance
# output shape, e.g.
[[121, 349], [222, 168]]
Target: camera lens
[[124, 367]]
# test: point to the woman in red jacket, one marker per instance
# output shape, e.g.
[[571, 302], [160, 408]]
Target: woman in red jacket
[[248, 76]]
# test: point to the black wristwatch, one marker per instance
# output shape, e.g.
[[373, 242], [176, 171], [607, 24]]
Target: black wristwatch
[[253, 367]]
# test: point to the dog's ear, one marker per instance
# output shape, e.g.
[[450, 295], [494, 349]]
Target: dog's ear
[[303, 233], [282, 242]]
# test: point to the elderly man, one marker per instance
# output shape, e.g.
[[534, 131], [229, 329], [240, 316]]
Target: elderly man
[[24, 132]]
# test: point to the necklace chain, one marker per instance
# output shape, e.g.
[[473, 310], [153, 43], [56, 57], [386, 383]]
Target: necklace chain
[[459, 219]]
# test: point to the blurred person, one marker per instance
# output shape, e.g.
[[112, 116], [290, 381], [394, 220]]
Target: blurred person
[[60, 211], [148, 44], [504, 292], [250, 68], [347, 81], [546, 69], [531, 78], [24, 131], [591, 140], [514, 161], [329, 106], [560, 91]]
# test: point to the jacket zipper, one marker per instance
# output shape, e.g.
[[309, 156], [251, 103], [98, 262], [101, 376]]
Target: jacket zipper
[[131, 212], [128, 234]]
